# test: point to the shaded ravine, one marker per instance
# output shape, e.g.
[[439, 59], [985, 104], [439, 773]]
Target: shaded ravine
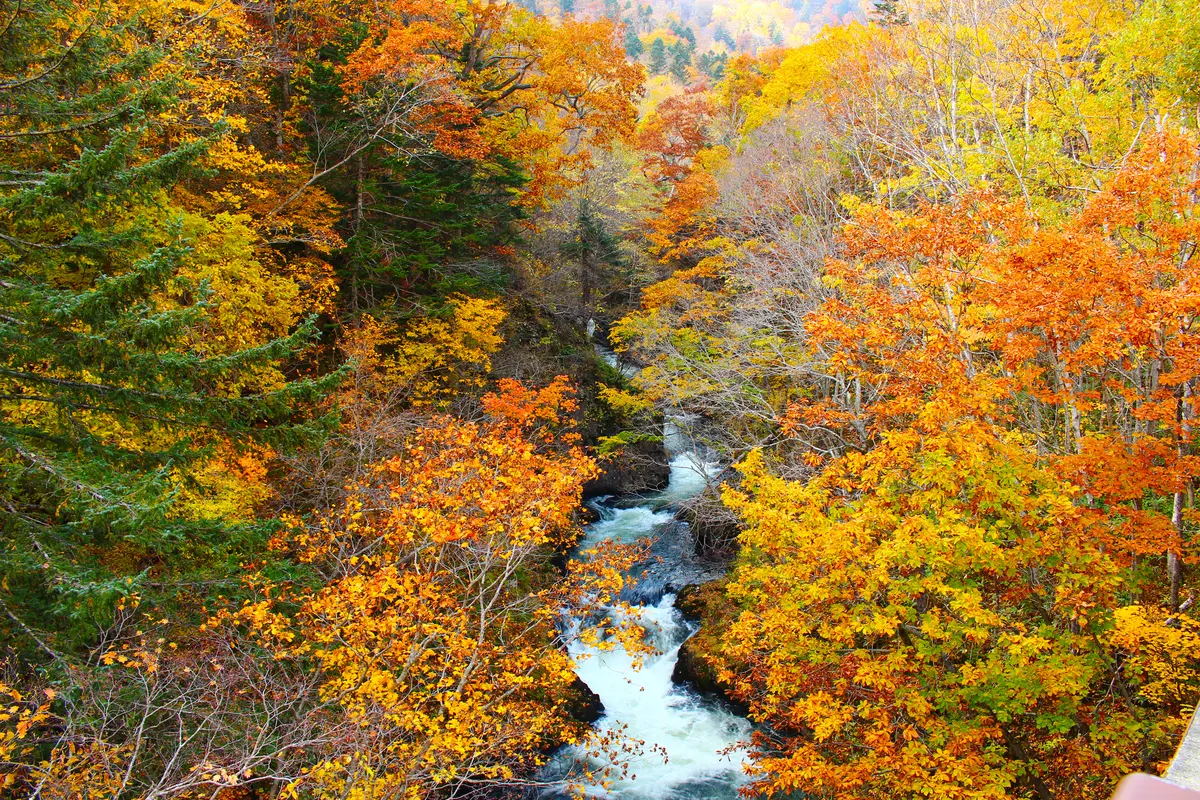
[[690, 743]]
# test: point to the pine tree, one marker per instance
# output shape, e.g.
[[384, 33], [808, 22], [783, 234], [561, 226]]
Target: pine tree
[[595, 247], [889, 13], [681, 59], [427, 214], [645, 16], [633, 44], [658, 57], [110, 393], [721, 34], [423, 225], [712, 64], [685, 33]]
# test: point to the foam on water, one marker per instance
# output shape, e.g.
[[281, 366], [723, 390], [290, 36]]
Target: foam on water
[[624, 524], [686, 739], [689, 475], [610, 358]]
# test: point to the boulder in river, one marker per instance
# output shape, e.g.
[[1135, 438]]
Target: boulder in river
[[584, 705], [637, 468], [693, 670], [703, 603], [691, 601]]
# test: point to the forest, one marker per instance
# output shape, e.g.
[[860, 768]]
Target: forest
[[327, 328]]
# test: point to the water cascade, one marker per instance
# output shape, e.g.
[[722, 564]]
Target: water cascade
[[690, 748]]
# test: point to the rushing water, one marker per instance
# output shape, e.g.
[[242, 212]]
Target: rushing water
[[610, 358], [690, 745]]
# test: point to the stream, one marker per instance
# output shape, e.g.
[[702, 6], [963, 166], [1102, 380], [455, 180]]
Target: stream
[[690, 744]]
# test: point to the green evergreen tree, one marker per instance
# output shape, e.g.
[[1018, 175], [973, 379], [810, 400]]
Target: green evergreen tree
[[421, 224], [681, 59], [684, 32], [721, 34], [775, 35], [658, 57], [109, 393], [595, 248], [645, 16], [633, 44], [712, 64], [430, 225], [889, 13]]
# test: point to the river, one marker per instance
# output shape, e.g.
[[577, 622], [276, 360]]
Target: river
[[691, 745]]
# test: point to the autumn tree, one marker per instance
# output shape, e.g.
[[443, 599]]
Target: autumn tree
[[433, 622], [953, 333], [674, 134], [186, 195], [941, 278], [445, 125], [937, 618], [413, 651]]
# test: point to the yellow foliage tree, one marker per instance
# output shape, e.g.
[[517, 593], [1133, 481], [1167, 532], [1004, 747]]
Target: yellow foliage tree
[[434, 624]]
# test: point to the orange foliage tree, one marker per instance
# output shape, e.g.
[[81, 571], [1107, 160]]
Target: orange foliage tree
[[489, 78], [1017, 399], [434, 623]]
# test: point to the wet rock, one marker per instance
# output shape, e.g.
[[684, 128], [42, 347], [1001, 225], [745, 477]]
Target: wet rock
[[638, 468], [703, 605], [645, 592], [690, 602], [632, 501], [694, 672], [584, 705]]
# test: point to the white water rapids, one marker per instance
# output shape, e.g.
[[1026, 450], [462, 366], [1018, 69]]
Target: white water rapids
[[691, 745]]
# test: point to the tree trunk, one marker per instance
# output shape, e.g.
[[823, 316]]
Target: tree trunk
[[1031, 780], [585, 281], [359, 190], [1182, 435]]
